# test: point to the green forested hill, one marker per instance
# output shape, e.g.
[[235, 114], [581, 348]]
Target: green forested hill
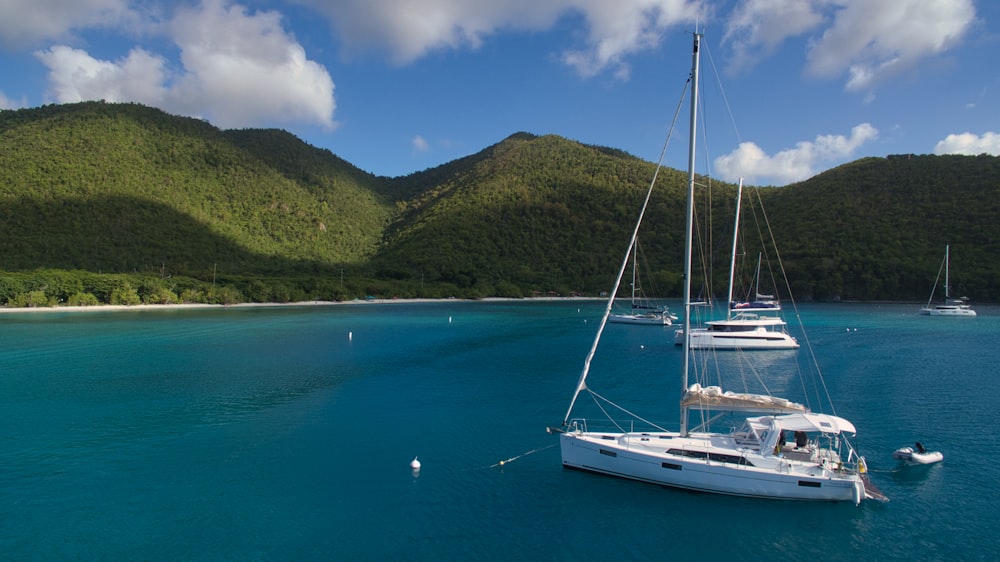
[[876, 228], [126, 202], [118, 187], [539, 213]]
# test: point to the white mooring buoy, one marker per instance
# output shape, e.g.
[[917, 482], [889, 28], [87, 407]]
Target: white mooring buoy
[[415, 464]]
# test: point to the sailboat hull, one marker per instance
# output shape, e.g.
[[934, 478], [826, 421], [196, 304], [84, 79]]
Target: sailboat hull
[[721, 470], [644, 319], [947, 310], [758, 338]]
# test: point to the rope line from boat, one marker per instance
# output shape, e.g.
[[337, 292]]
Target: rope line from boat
[[505, 462]]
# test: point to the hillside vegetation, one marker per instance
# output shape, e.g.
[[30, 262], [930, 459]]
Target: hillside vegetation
[[125, 203]]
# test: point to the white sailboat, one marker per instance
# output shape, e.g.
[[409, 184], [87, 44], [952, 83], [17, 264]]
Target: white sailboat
[[753, 460], [950, 306], [641, 310], [750, 324]]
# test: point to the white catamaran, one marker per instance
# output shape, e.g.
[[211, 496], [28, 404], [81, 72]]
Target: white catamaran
[[750, 324], [755, 459]]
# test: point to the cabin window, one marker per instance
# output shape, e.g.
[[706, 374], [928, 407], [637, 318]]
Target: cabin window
[[809, 484], [609, 453], [718, 457], [671, 466]]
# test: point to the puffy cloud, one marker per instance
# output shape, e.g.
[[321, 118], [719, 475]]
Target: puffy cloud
[[877, 40], [618, 29], [74, 76], [864, 41], [970, 144], [795, 164], [763, 25], [409, 29], [25, 23], [239, 70], [243, 69]]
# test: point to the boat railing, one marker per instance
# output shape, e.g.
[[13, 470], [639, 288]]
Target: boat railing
[[628, 426]]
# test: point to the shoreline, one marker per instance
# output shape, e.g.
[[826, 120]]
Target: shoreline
[[194, 306]]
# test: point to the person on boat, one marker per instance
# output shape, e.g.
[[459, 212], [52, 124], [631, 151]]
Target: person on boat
[[918, 446], [801, 439]]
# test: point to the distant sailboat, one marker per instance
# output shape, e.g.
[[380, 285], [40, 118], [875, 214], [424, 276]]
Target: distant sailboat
[[751, 460], [749, 324], [642, 310], [950, 306]]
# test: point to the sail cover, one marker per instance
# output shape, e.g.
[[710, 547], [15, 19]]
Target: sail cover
[[713, 398]]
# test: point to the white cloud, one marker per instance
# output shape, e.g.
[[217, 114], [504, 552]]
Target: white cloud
[[758, 27], [238, 70], [863, 41], [874, 41], [243, 69], [794, 164], [420, 144], [410, 29], [970, 144], [74, 76], [25, 23]]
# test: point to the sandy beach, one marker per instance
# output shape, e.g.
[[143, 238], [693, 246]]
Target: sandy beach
[[191, 306]]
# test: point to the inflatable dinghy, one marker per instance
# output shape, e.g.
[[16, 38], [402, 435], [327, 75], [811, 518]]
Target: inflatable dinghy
[[917, 455]]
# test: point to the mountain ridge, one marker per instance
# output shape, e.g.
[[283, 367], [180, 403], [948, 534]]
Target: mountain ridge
[[128, 189]]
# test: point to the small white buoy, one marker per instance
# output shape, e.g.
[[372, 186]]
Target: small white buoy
[[449, 319], [350, 336], [415, 464], [641, 346]]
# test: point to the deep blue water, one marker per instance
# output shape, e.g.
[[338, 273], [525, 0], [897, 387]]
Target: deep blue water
[[286, 433]]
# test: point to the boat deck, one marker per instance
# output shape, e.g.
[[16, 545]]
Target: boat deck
[[806, 461]]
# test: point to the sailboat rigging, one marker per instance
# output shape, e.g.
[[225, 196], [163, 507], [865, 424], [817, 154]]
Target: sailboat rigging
[[753, 460]]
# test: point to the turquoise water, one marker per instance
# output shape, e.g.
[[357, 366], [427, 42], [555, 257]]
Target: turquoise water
[[286, 433]]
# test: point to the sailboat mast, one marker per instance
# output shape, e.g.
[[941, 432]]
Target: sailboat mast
[[689, 235], [732, 260], [635, 260], [947, 266]]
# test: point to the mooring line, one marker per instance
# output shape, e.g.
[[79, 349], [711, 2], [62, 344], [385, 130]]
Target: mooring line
[[512, 459]]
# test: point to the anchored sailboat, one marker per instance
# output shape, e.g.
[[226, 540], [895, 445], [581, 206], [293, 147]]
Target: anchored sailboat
[[642, 310], [950, 306], [754, 460], [749, 324]]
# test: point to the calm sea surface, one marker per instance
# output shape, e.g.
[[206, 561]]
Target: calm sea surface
[[287, 433]]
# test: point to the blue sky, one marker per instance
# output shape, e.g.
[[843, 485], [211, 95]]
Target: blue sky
[[791, 87]]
